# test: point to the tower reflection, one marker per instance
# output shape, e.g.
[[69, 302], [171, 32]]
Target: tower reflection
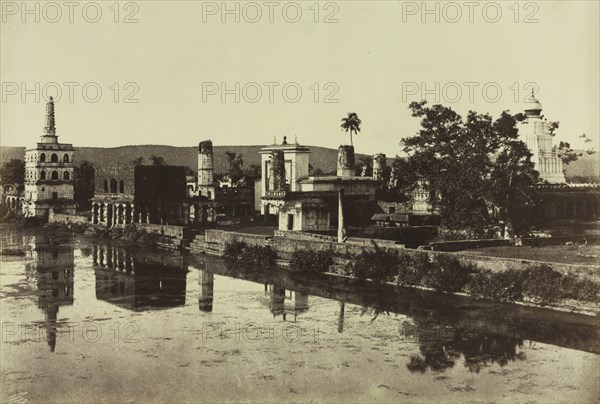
[[51, 270]]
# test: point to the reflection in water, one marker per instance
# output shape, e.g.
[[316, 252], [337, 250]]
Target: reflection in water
[[441, 345], [51, 270], [138, 282], [442, 331], [207, 284], [446, 327], [284, 302], [341, 317]]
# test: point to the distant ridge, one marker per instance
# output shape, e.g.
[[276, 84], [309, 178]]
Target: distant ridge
[[321, 157]]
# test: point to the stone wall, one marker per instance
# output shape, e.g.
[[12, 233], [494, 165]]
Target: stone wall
[[459, 245], [285, 243], [67, 219], [221, 237], [178, 232]]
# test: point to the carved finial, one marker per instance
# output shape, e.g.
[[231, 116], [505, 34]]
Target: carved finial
[[296, 139], [285, 140], [50, 128], [274, 139]]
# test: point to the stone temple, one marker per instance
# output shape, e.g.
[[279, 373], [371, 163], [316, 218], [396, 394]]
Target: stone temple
[[536, 135]]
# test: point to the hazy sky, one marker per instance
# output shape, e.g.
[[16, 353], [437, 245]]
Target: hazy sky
[[374, 60]]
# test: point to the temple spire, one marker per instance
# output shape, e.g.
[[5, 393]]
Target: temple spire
[[50, 129]]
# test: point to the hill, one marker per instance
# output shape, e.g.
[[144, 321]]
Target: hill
[[321, 157], [586, 168]]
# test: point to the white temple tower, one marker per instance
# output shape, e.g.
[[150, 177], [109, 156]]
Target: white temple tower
[[536, 135], [49, 173]]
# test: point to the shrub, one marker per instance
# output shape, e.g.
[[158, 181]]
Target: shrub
[[539, 283], [505, 286], [448, 274], [380, 266], [311, 261], [410, 270], [233, 249], [542, 284], [256, 254], [583, 289]]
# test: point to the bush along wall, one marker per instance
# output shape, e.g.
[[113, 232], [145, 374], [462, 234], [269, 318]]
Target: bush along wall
[[249, 254], [309, 261], [538, 284]]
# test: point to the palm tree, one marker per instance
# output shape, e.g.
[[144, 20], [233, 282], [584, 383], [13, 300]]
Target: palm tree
[[351, 123]]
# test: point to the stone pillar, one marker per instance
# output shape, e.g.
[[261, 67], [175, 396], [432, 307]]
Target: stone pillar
[[346, 161], [109, 257], [186, 214], [95, 254], [379, 163], [341, 229], [205, 163]]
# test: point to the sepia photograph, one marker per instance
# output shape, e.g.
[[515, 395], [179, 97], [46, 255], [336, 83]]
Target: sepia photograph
[[309, 201]]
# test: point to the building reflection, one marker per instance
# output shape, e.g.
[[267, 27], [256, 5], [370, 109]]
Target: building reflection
[[284, 302], [50, 269], [138, 280]]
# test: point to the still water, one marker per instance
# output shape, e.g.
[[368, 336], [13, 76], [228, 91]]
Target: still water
[[86, 320]]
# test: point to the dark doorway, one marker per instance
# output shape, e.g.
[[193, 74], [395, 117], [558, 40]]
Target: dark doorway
[[290, 225]]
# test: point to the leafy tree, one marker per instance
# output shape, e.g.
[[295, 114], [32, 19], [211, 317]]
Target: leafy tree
[[236, 163], [189, 171], [157, 160], [477, 167], [253, 171], [351, 124], [139, 160], [13, 172], [568, 155], [364, 163], [552, 127]]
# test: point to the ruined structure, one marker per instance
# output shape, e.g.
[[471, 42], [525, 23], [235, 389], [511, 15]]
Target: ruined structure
[[49, 173], [139, 194], [206, 181], [218, 201], [346, 161], [379, 164]]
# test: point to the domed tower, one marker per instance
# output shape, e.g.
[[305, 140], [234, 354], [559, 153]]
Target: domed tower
[[536, 135], [49, 173]]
